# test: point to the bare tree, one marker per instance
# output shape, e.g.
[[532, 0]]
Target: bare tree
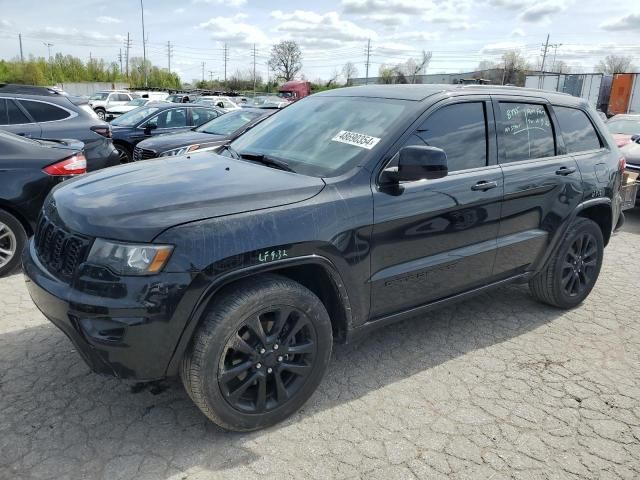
[[614, 64], [286, 59], [333, 79], [349, 71], [515, 68], [561, 66], [413, 67]]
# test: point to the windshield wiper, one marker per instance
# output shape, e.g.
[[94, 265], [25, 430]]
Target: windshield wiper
[[231, 150], [265, 160]]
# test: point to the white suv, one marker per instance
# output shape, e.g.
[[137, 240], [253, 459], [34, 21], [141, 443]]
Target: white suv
[[100, 101]]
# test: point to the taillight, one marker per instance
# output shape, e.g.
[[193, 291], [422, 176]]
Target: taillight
[[104, 131], [74, 165]]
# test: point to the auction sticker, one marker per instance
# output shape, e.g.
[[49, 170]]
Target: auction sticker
[[356, 139]]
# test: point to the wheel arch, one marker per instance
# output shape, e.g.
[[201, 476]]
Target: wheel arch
[[602, 215], [314, 272], [11, 210]]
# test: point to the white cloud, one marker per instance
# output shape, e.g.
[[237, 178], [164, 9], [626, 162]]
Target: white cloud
[[227, 3], [232, 31], [630, 21], [403, 7], [311, 25], [5, 23], [500, 47], [540, 12], [75, 36], [108, 20], [179, 11], [517, 32], [387, 19]]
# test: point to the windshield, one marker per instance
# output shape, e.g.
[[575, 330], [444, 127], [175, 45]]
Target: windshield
[[99, 96], [285, 94], [624, 127], [138, 102], [324, 136], [133, 117], [228, 123]]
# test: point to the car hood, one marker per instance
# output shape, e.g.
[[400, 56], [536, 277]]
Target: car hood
[[138, 201], [162, 143], [631, 153]]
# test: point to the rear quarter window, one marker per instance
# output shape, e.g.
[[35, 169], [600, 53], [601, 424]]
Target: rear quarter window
[[577, 130], [44, 112]]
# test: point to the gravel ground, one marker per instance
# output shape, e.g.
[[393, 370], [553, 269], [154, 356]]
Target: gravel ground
[[496, 387]]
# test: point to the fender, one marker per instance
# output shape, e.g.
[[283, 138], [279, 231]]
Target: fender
[[542, 262], [218, 283]]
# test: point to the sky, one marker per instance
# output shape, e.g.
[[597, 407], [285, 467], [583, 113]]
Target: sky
[[460, 33]]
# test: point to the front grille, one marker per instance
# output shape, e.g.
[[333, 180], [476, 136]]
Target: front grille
[[59, 251], [143, 154]]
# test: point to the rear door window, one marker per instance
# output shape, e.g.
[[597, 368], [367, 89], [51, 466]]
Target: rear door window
[[202, 115], [44, 112], [173, 118], [577, 130], [525, 132]]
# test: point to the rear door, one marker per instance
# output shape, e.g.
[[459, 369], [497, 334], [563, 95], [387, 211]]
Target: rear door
[[542, 183], [435, 238], [15, 120]]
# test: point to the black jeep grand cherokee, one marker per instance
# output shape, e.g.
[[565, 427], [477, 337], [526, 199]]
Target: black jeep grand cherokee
[[348, 210]]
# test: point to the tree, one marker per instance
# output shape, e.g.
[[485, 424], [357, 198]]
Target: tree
[[614, 64], [286, 60], [515, 68], [349, 71], [561, 67], [413, 67], [386, 74]]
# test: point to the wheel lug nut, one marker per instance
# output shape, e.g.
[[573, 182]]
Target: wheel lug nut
[[262, 350], [258, 365], [280, 358], [269, 370], [275, 347]]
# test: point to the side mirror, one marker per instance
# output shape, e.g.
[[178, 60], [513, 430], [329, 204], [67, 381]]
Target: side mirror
[[149, 127], [417, 162]]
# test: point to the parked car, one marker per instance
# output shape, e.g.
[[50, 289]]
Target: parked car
[[156, 118], [31, 89], [348, 210], [102, 101], [623, 127], [152, 95], [266, 101], [209, 136], [116, 111], [178, 98], [223, 103], [29, 170], [59, 116]]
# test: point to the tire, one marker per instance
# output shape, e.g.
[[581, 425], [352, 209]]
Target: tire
[[125, 155], [573, 269], [101, 114], [13, 238], [218, 365]]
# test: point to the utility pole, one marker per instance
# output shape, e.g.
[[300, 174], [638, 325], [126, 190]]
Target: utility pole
[[203, 72], [544, 53], [254, 69], [211, 75], [128, 47], [144, 46], [367, 63], [48, 45], [120, 58], [21, 55], [169, 54], [226, 59], [555, 51]]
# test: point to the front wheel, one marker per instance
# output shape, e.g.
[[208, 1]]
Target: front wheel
[[102, 115], [12, 241], [124, 154], [259, 354], [573, 270]]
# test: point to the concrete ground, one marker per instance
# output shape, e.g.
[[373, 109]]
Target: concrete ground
[[496, 387]]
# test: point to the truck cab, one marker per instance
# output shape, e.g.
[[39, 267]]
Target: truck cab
[[294, 90]]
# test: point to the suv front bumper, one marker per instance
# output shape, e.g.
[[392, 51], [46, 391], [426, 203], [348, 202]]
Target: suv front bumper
[[127, 327]]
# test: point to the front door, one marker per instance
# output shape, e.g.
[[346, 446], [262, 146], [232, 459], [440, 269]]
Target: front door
[[435, 238], [542, 183]]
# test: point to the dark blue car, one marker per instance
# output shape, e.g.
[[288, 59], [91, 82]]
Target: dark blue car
[[157, 118]]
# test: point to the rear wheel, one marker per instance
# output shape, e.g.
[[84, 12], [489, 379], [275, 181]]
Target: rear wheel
[[573, 270], [12, 241], [259, 355], [125, 155]]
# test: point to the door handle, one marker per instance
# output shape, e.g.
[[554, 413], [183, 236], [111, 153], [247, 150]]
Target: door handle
[[565, 171], [484, 185]]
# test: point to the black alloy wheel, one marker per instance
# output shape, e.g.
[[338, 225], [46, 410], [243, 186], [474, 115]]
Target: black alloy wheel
[[268, 359], [580, 267]]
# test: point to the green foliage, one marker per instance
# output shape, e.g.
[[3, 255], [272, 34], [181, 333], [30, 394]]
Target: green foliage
[[67, 68]]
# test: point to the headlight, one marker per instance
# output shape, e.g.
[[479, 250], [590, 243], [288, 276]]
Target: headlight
[[180, 151], [130, 259]]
